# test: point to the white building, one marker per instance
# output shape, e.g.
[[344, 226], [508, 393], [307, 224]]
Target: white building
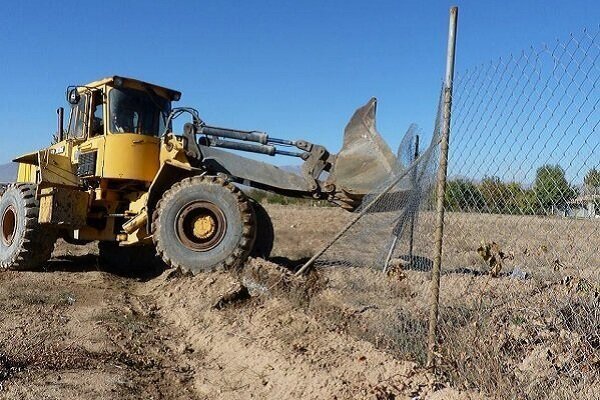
[[584, 206]]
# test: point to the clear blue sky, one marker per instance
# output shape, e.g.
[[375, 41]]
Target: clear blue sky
[[293, 69]]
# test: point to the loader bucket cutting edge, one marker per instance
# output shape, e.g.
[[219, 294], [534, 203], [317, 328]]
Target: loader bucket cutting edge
[[365, 160]]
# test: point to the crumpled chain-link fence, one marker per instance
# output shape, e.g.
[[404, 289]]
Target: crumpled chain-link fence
[[387, 219], [377, 268], [520, 304]]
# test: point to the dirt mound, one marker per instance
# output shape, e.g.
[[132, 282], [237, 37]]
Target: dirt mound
[[275, 342], [269, 347]]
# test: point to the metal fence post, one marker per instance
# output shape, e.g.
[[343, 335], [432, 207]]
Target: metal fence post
[[411, 239], [441, 189]]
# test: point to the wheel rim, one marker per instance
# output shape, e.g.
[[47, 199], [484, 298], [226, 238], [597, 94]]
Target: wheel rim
[[200, 226], [9, 225]]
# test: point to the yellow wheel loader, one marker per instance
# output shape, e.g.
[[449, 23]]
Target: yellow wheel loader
[[118, 174]]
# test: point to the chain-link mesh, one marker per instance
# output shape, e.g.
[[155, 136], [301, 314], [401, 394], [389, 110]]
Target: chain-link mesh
[[520, 305], [381, 234], [377, 272]]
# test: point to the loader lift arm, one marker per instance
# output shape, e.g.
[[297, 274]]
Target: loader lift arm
[[202, 143], [363, 163]]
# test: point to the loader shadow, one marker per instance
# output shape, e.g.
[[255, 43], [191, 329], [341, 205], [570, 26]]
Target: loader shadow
[[91, 263], [514, 273], [72, 263], [464, 271]]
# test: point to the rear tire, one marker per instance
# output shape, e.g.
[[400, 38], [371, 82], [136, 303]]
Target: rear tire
[[24, 243], [203, 223], [265, 233]]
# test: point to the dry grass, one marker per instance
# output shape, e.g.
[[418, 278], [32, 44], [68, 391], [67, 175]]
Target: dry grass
[[531, 334], [526, 348]]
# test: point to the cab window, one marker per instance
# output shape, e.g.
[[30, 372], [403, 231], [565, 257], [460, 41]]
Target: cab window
[[137, 111], [77, 119], [98, 116]]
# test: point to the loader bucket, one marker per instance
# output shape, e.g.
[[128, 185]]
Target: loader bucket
[[365, 160]]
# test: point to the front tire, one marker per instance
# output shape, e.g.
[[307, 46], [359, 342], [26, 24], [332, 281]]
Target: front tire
[[202, 224], [24, 243]]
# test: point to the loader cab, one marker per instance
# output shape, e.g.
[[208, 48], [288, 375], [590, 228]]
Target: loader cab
[[118, 105], [114, 128]]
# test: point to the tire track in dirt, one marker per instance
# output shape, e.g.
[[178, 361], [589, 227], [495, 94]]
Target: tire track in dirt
[[52, 339], [156, 367], [74, 332]]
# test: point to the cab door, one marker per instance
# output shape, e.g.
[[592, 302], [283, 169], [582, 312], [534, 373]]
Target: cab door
[[131, 156], [87, 133]]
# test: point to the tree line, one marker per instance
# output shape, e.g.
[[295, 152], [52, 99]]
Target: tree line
[[549, 192]]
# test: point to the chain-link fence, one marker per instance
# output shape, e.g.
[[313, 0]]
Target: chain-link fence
[[369, 271], [519, 308], [520, 305]]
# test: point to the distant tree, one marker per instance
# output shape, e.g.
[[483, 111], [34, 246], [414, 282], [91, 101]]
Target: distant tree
[[496, 194], [517, 199], [503, 198], [592, 180], [527, 203], [463, 195], [257, 194], [551, 188]]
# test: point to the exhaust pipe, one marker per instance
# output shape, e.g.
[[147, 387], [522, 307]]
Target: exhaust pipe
[[60, 129]]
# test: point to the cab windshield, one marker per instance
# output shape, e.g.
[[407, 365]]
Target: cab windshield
[[138, 111]]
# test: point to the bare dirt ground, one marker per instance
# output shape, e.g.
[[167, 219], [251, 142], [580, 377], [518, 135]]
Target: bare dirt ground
[[75, 331]]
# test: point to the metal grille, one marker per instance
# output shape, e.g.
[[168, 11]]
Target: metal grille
[[87, 164]]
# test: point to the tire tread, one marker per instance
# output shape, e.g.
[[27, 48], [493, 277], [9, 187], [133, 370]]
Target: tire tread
[[37, 243], [239, 254]]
